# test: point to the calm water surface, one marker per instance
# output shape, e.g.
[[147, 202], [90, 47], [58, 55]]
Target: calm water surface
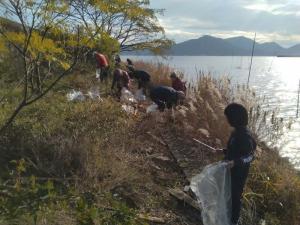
[[277, 79]]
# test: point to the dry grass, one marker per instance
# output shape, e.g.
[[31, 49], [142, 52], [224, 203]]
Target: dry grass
[[160, 73], [109, 151], [273, 189], [62, 139]]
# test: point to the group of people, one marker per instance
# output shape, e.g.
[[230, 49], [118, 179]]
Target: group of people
[[163, 96], [241, 145]]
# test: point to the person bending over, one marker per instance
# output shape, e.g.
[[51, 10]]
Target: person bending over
[[141, 76], [166, 97], [129, 62], [120, 79]]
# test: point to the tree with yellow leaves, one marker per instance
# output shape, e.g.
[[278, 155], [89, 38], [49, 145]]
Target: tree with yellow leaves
[[60, 33], [131, 22], [39, 32]]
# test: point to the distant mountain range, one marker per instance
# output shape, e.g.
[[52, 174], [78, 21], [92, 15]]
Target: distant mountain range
[[236, 46]]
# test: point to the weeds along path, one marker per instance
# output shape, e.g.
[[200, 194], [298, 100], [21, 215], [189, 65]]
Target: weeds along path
[[166, 157], [201, 117], [190, 158], [169, 163], [200, 121], [169, 138], [171, 158]]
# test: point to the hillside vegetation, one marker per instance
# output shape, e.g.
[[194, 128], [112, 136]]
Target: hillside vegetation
[[92, 163]]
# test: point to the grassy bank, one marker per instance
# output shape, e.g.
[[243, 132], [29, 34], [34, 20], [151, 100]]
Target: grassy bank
[[91, 163]]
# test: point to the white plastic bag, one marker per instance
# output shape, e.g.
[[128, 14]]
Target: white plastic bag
[[127, 97], [94, 93], [152, 108], [139, 95], [213, 190], [98, 72], [128, 109], [75, 96]]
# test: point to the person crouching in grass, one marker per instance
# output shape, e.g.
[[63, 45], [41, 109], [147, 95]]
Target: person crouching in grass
[[166, 97], [239, 154]]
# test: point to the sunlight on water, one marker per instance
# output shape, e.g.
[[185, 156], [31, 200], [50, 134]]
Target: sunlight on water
[[275, 78], [282, 91]]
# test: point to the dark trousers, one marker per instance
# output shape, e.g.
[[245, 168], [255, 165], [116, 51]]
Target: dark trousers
[[238, 181], [143, 84], [104, 73], [161, 105]]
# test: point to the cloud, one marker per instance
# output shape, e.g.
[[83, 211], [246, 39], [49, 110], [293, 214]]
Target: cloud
[[187, 23], [273, 20], [264, 7], [180, 35], [275, 9]]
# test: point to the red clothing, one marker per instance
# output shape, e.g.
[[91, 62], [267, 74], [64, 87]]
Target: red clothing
[[102, 61], [178, 85]]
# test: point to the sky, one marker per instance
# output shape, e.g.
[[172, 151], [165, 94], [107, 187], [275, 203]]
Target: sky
[[272, 20]]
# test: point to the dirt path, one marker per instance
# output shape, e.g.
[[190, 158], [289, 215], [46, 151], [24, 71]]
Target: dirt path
[[190, 157]]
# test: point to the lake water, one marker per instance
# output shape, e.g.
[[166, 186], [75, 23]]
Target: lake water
[[275, 78]]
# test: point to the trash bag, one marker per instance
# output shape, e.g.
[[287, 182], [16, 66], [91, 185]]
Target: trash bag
[[98, 72], [94, 93], [127, 97], [128, 109], [152, 108], [212, 188], [139, 95], [75, 96]]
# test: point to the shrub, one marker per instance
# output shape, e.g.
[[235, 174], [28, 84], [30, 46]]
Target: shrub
[[58, 137]]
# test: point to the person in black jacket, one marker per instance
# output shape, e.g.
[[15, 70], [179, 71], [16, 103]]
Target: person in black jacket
[[129, 62], [239, 154], [141, 76], [165, 97]]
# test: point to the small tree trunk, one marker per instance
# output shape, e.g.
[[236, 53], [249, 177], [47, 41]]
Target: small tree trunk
[[12, 117]]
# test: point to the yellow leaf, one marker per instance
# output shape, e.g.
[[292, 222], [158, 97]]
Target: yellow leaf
[[65, 65], [3, 48]]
